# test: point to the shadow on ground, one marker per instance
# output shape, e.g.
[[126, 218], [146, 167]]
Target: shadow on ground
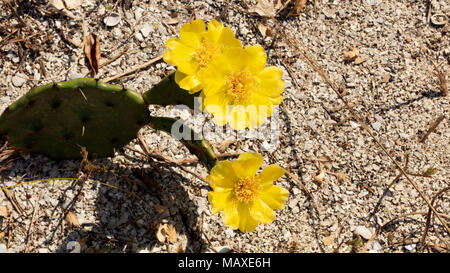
[[125, 221]]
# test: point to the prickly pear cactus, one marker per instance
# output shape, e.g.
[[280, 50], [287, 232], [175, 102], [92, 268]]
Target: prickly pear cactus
[[167, 92], [58, 119]]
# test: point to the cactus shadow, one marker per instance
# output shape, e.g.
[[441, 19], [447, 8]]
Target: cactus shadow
[[111, 220], [129, 223]]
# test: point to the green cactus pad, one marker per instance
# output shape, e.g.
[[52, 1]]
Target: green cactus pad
[[167, 92], [58, 119]]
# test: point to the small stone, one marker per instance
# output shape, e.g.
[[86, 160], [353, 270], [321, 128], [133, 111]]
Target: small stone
[[386, 77], [146, 29], [101, 11], [410, 247], [439, 19], [112, 20], [138, 13], [376, 126], [329, 13], [43, 250], [3, 248], [354, 124], [293, 203], [363, 232], [139, 37], [18, 81], [375, 246], [223, 249]]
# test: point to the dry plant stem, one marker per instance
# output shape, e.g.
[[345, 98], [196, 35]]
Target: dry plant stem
[[160, 156], [304, 56], [427, 226], [304, 189], [110, 60], [9, 231], [29, 233], [14, 202], [432, 128], [364, 248], [133, 69]]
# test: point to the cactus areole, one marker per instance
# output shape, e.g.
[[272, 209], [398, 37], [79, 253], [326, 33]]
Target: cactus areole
[[58, 119]]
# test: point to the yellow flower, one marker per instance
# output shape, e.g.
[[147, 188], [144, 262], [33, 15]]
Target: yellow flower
[[238, 89], [195, 48], [245, 198]]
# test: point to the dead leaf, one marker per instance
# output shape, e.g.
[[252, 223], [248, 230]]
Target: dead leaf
[[161, 233], [359, 60], [172, 21], [72, 219], [171, 234], [386, 77], [2, 235], [224, 145], [166, 232], [351, 55], [298, 6], [262, 29], [319, 178], [73, 4], [59, 6], [180, 248], [266, 8], [92, 51], [4, 211], [324, 159], [327, 241], [342, 177]]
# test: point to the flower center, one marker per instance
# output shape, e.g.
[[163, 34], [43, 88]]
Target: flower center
[[205, 52], [246, 189], [240, 85]]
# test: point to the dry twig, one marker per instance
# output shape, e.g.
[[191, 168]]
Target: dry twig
[[432, 128], [29, 232], [134, 69], [293, 41]]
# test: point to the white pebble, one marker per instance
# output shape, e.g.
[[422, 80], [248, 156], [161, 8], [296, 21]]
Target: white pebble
[[3, 248], [18, 81], [363, 232]]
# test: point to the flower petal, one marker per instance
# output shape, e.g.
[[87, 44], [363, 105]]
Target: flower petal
[[189, 82], [230, 215], [274, 196], [235, 57], [192, 33], [262, 212], [216, 104], [219, 200], [270, 174], [271, 73], [246, 222], [255, 58], [222, 175], [270, 87], [180, 55], [247, 164]]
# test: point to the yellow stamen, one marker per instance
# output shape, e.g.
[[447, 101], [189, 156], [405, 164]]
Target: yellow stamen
[[240, 85], [205, 52], [247, 189]]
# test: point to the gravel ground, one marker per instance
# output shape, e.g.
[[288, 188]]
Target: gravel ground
[[164, 207]]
